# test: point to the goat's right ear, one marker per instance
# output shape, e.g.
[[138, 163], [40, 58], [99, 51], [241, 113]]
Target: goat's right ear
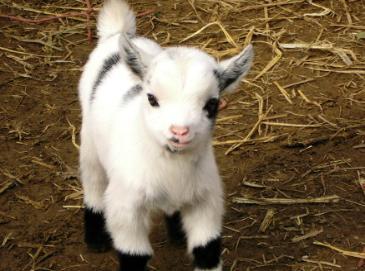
[[132, 56]]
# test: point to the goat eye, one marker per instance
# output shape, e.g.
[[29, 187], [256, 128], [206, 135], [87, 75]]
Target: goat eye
[[152, 100], [211, 106]]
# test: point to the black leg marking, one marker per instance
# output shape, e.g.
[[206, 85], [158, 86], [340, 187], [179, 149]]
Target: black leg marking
[[128, 262], [175, 229], [108, 65], [208, 256], [96, 236]]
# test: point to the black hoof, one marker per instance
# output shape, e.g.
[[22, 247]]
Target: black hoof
[[175, 229], [130, 262], [208, 256], [97, 238], [99, 247]]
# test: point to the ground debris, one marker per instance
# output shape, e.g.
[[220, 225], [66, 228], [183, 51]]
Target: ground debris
[[362, 184], [7, 185], [27, 200], [285, 201], [320, 263], [360, 255], [301, 143], [310, 234], [267, 220]]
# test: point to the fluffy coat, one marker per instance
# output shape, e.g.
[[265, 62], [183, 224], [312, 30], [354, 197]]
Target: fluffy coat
[[135, 98]]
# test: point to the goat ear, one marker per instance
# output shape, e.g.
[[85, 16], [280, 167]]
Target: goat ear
[[234, 69], [132, 56]]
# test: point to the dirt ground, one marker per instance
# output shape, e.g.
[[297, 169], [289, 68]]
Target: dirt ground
[[290, 145]]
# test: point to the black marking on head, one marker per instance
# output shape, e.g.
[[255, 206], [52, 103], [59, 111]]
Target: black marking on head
[[234, 68], [231, 74], [223, 80], [109, 63], [133, 60], [175, 229], [132, 93], [211, 106], [217, 75], [133, 262], [208, 256], [96, 236]]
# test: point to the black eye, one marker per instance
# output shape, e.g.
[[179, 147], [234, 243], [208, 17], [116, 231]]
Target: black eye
[[211, 107], [152, 100]]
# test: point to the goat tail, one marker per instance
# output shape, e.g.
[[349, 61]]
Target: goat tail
[[116, 17]]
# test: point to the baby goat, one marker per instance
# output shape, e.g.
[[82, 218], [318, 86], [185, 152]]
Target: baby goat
[[147, 119]]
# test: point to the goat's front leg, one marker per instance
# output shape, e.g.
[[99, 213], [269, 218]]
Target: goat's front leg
[[94, 183], [203, 225], [128, 224]]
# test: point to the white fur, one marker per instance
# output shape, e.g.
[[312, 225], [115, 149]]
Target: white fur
[[115, 18], [126, 169]]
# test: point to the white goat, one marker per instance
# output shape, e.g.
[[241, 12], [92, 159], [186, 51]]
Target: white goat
[[147, 119]]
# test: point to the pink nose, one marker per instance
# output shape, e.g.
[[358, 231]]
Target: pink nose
[[179, 130]]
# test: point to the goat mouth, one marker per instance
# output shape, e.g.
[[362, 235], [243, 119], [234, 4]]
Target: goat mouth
[[177, 144]]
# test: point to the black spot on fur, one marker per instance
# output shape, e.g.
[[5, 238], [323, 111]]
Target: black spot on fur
[[208, 256], [133, 92], [175, 229], [107, 66], [133, 61], [211, 107], [128, 262], [96, 236]]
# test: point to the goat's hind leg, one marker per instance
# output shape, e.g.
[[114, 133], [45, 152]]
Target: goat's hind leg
[[175, 231], [94, 184]]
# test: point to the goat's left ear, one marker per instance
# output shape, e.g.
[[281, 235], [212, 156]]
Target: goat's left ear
[[132, 56], [234, 69]]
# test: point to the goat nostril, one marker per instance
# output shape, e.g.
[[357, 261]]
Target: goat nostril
[[179, 130]]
